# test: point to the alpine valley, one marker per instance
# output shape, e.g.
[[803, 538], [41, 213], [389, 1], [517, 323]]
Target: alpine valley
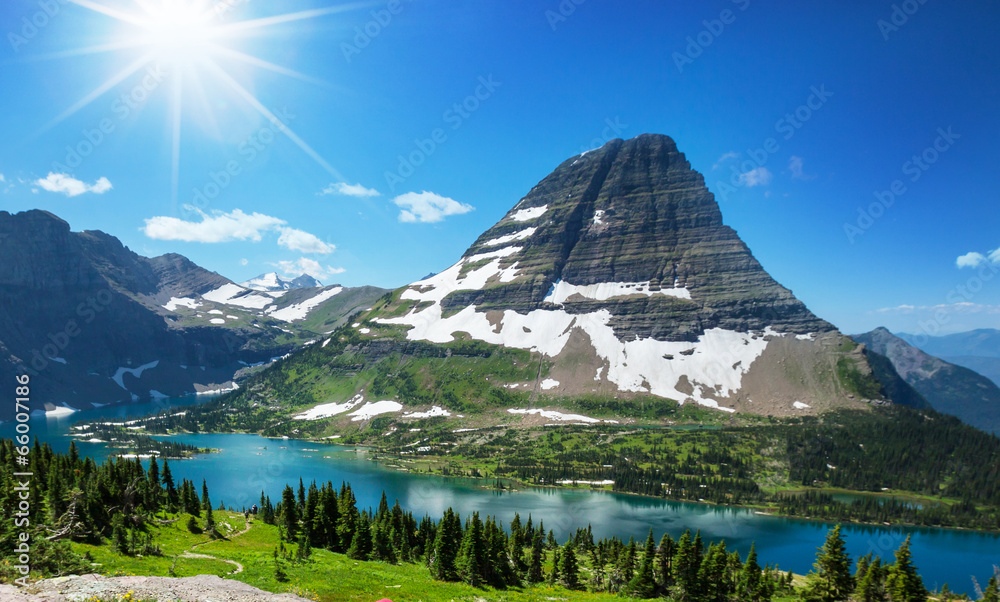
[[105, 325], [611, 331]]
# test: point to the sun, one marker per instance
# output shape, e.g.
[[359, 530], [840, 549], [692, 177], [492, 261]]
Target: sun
[[196, 40], [179, 32]]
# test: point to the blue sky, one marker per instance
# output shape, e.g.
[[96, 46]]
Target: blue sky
[[509, 90]]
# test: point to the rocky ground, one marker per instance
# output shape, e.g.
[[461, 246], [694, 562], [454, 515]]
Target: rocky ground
[[203, 588]]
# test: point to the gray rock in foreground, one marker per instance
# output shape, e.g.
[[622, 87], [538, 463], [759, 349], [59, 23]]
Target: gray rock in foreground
[[203, 588]]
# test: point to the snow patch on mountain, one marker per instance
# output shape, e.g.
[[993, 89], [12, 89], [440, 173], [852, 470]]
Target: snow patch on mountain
[[233, 294], [299, 311], [562, 290], [523, 215], [136, 372], [502, 240]]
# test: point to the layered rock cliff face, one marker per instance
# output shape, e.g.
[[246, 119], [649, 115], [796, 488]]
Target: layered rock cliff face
[[618, 267], [635, 212], [95, 323]]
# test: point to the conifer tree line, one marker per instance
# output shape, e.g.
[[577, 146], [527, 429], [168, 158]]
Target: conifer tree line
[[113, 503]]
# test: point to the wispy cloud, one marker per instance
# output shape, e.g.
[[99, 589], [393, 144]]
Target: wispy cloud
[[960, 307], [796, 165], [353, 190], [70, 186], [756, 177], [304, 242], [731, 155], [305, 265], [428, 207], [215, 228]]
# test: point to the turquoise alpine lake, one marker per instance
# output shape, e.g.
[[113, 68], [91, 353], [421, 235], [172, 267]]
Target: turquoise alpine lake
[[246, 465]]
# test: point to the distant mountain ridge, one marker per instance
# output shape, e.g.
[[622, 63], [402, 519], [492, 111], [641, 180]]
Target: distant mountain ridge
[[97, 323], [273, 282], [977, 350], [950, 389]]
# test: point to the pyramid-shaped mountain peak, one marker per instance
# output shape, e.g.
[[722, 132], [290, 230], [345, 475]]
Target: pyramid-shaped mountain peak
[[619, 264]]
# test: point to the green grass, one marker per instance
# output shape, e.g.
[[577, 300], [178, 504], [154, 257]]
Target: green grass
[[325, 576]]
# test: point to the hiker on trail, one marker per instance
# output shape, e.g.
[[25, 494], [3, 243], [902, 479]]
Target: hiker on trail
[[254, 509]]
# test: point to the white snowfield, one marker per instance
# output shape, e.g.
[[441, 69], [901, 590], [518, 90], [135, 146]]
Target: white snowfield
[[136, 372], [431, 413], [327, 410], [299, 311], [713, 366], [524, 215], [570, 482], [549, 383], [215, 312], [798, 405], [370, 410], [217, 321], [176, 302], [502, 240], [233, 294], [553, 415], [562, 290], [62, 410]]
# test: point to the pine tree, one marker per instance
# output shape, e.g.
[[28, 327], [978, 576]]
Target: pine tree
[[537, 557], [992, 591], [750, 587], [643, 584], [902, 582], [665, 560], [554, 573], [831, 579], [361, 545], [289, 514], [205, 503], [569, 570], [444, 554], [870, 586], [382, 544], [472, 555], [686, 565]]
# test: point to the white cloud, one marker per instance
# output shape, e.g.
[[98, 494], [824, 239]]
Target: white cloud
[[305, 265], [299, 240], [70, 186], [427, 207], [965, 307], [2, 178], [971, 260], [795, 165], [995, 256], [726, 157], [244, 261], [756, 177], [354, 190], [218, 227]]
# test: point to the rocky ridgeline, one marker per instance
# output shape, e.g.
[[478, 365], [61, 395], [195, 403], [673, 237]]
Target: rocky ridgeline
[[635, 212]]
